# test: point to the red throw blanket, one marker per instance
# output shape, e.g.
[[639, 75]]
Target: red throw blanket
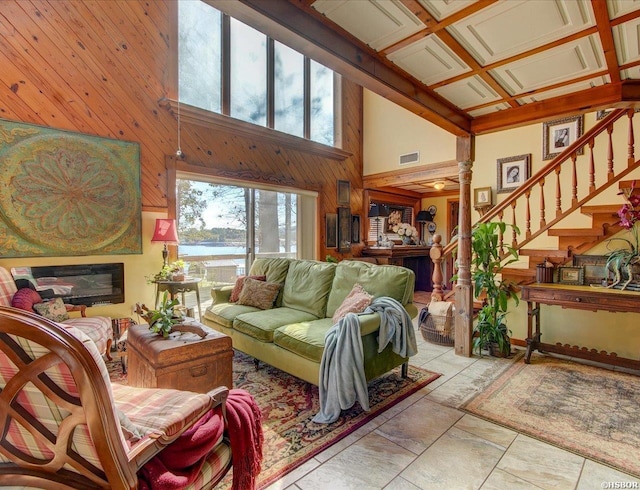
[[178, 465]]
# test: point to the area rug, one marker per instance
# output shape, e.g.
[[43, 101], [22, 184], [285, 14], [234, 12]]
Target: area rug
[[588, 410], [288, 404]]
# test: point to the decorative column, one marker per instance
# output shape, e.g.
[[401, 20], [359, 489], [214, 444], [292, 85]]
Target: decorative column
[[436, 278], [464, 288]]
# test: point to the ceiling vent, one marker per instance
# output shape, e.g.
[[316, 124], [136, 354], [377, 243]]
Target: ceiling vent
[[410, 158]]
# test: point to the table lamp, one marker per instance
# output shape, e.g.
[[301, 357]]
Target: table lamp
[[378, 211], [167, 232], [422, 217]]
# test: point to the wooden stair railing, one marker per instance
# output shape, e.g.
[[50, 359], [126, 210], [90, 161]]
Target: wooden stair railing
[[600, 177]]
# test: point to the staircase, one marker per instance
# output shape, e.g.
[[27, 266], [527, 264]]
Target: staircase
[[571, 241], [568, 189]]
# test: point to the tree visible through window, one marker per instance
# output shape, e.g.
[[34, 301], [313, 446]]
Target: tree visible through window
[[202, 44]]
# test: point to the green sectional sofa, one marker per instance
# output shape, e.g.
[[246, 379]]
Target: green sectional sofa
[[290, 336]]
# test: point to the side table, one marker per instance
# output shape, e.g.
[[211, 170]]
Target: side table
[[182, 361], [175, 287]]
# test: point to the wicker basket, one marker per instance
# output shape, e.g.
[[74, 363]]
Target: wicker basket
[[437, 329]]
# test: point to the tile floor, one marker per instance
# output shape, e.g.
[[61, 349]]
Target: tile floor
[[425, 442]]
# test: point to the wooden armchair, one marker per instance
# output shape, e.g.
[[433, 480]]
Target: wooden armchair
[[64, 425]]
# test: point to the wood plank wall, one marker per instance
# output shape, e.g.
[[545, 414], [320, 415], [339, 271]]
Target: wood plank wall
[[101, 67]]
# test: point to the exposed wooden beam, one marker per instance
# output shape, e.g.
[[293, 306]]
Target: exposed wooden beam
[[610, 95], [411, 175], [606, 38], [293, 24]]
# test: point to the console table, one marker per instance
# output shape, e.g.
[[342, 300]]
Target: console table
[[577, 298], [412, 257]]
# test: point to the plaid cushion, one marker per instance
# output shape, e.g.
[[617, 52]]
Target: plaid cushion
[[97, 328], [160, 413], [214, 466], [7, 287]]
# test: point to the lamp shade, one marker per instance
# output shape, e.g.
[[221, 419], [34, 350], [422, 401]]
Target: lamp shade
[[166, 231], [374, 211], [423, 217]]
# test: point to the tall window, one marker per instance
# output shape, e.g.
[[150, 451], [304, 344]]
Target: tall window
[[269, 83]]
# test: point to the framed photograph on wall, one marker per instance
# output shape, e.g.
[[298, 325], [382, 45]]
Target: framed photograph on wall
[[558, 135], [344, 192], [355, 228], [482, 197], [344, 229], [331, 230], [513, 171]]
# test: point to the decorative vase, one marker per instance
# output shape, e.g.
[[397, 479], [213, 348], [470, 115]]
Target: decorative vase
[[406, 240]]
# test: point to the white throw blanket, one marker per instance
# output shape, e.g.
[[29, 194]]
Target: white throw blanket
[[342, 379]]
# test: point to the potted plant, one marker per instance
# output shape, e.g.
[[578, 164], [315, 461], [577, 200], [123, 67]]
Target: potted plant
[[624, 262], [162, 320], [486, 273]]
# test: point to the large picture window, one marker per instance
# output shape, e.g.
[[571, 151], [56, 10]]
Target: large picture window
[[263, 82]]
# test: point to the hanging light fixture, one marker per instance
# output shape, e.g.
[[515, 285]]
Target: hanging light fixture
[[439, 185]]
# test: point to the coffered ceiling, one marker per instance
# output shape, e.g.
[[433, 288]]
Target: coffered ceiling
[[471, 66]]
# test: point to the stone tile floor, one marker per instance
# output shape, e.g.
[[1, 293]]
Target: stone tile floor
[[425, 442]]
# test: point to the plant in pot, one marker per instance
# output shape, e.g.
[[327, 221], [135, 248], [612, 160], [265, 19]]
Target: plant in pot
[[167, 318], [487, 264]]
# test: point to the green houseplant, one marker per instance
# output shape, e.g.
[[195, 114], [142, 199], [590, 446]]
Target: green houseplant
[[487, 264], [163, 319]]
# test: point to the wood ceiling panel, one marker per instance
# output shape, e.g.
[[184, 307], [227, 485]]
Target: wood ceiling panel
[[508, 28], [565, 89], [444, 8], [489, 109], [430, 60], [618, 8], [561, 64], [377, 24], [470, 92], [626, 38]]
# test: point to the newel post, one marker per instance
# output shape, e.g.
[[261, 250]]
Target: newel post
[[465, 150], [436, 278]]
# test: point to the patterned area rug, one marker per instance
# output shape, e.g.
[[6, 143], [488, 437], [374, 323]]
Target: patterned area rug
[[288, 404], [587, 410]]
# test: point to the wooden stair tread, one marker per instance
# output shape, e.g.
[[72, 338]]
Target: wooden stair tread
[[508, 271], [601, 209], [543, 252], [590, 232]]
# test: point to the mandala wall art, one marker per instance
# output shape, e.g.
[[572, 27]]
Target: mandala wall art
[[64, 193]]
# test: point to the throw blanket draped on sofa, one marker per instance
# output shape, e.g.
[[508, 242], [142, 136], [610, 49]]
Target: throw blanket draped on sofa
[[342, 377]]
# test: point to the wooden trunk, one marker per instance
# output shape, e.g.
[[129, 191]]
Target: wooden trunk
[[183, 361]]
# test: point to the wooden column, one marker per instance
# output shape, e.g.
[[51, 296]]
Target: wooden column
[[436, 278], [465, 153]]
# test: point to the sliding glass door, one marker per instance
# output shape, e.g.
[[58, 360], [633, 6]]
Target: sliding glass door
[[223, 228]]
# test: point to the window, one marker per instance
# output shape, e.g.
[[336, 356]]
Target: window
[[269, 84], [223, 228]]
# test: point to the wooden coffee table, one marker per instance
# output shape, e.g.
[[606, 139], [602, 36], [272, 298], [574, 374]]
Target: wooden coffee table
[[183, 361]]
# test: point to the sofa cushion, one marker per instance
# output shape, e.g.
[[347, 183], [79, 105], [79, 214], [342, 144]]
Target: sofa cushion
[[237, 288], [305, 339], [275, 269], [260, 294], [308, 285], [379, 280], [261, 324], [224, 313], [355, 302]]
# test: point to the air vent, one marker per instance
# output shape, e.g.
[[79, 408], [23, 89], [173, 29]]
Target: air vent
[[410, 158]]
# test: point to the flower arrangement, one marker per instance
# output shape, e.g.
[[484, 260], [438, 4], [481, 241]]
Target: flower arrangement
[[406, 232], [621, 261]]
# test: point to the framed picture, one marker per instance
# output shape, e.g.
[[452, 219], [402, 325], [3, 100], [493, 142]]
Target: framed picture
[[344, 192], [397, 215], [595, 267], [344, 229], [571, 275], [331, 230], [482, 197], [513, 171], [558, 135], [355, 228]]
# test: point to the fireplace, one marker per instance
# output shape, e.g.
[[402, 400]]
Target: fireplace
[[90, 284]]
